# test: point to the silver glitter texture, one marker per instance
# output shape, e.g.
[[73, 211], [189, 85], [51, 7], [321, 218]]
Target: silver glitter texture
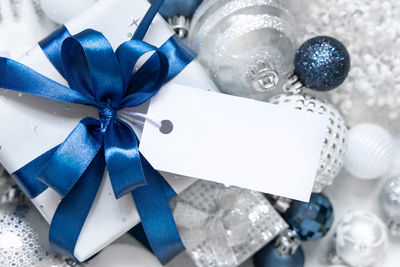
[[22, 243], [390, 201], [232, 37], [334, 147], [223, 226]]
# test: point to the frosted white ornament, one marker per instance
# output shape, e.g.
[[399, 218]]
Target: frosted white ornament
[[124, 255], [247, 45], [334, 148], [370, 151], [62, 11], [360, 238]]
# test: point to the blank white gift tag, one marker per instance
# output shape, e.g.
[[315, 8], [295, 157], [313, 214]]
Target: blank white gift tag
[[235, 141]]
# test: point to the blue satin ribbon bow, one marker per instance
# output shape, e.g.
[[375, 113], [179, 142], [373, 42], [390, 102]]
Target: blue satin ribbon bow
[[101, 78]]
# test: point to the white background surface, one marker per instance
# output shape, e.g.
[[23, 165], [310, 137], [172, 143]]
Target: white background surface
[[16, 36]]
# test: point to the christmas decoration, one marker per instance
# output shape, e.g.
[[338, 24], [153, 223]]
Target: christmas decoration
[[178, 13], [390, 201], [223, 226], [372, 38], [124, 255], [112, 210], [248, 46], [312, 220], [334, 148], [23, 241], [62, 11], [322, 63], [284, 252], [370, 151], [361, 238]]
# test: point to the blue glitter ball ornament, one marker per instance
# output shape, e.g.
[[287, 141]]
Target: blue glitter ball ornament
[[172, 8], [322, 63], [270, 257], [310, 220]]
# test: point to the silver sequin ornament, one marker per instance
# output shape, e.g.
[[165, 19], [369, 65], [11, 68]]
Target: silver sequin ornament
[[23, 239], [390, 201], [334, 148], [223, 226], [247, 45], [360, 238]]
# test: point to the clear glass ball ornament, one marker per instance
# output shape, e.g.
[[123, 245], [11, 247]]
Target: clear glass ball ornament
[[390, 202], [360, 238], [370, 151], [248, 46], [334, 147]]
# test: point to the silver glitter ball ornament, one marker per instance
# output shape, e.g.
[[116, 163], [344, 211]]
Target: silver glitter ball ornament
[[23, 239], [360, 238], [390, 201], [334, 148], [248, 46]]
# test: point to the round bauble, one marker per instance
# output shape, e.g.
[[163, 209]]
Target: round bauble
[[370, 151], [124, 255], [247, 46], [311, 220], [62, 11], [334, 147], [322, 63], [361, 238], [269, 256], [390, 201]]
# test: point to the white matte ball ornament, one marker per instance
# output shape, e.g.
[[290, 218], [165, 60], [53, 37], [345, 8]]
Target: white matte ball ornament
[[361, 238], [370, 151], [334, 148], [62, 11], [124, 255]]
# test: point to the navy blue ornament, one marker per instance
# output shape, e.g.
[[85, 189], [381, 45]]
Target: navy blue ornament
[[310, 220], [171, 8], [322, 63], [270, 257]]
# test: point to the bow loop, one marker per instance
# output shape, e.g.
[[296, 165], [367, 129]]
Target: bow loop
[[148, 79], [91, 67]]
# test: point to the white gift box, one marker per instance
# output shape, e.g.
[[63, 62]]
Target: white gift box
[[32, 125]]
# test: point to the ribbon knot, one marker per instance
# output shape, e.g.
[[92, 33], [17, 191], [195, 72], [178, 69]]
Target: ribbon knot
[[104, 79]]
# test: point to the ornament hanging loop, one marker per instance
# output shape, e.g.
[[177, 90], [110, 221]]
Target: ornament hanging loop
[[293, 85], [288, 242]]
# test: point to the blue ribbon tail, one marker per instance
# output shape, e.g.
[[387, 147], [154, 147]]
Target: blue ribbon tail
[[156, 216], [72, 157], [26, 177], [123, 158], [72, 211]]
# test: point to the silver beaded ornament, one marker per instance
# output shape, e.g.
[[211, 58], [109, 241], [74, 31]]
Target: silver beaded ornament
[[390, 201], [334, 148]]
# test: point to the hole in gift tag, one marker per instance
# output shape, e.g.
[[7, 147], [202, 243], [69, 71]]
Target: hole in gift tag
[[166, 126]]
